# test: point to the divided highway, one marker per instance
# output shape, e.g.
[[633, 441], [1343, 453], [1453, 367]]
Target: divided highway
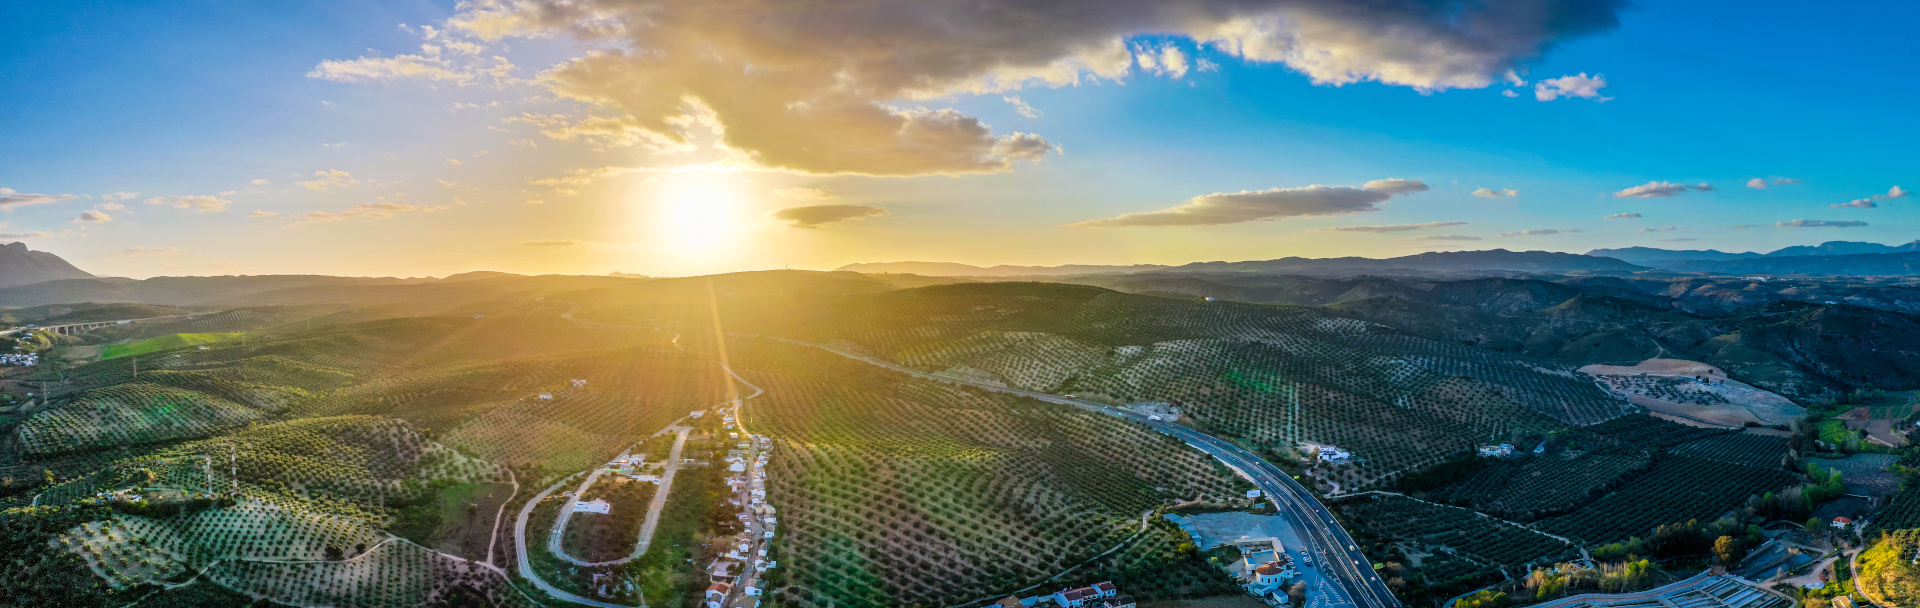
[[1335, 553]]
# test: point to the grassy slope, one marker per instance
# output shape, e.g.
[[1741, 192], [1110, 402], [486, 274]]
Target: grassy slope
[[150, 345]]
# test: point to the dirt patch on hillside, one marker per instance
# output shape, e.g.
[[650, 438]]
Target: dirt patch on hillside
[[1658, 367], [1695, 393]]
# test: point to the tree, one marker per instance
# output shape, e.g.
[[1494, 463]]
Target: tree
[[1724, 549], [334, 554], [1298, 593]]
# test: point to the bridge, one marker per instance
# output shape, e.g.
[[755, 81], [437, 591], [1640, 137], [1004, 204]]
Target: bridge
[[75, 328]]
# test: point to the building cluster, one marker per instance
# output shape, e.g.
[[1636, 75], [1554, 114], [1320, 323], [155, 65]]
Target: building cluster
[[1334, 455], [637, 468], [1496, 451], [23, 359], [1267, 570], [1098, 595], [739, 569]]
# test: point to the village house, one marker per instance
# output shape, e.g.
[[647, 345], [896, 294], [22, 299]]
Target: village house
[[717, 593]]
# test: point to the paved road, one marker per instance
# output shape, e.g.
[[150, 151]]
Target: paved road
[[1336, 555]]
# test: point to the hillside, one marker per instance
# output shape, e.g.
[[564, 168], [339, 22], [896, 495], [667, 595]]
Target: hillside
[[22, 266], [1903, 263], [1495, 260]]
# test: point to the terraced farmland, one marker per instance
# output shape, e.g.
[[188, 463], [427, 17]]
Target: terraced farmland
[[893, 491]]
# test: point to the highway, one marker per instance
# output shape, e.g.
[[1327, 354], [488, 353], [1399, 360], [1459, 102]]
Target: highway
[[1335, 553]]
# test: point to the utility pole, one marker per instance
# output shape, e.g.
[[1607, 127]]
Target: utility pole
[[136, 367]]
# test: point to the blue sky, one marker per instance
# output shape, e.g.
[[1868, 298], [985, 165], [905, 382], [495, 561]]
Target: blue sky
[[443, 173]]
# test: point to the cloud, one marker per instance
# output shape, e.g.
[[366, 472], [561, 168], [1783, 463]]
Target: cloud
[[27, 235], [262, 213], [1571, 86], [431, 65], [1541, 232], [1393, 227], [1249, 205], [202, 204], [813, 216], [1167, 60], [831, 87], [1893, 193], [1781, 181], [260, 182], [584, 176], [381, 209], [1660, 229], [1021, 107], [1621, 216], [120, 196], [454, 161], [554, 243], [1492, 193], [1662, 190], [1859, 203], [328, 180], [1679, 240], [109, 206], [335, 145], [10, 199], [445, 184], [1757, 184], [150, 251], [1442, 237], [805, 194], [93, 217], [1820, 224]]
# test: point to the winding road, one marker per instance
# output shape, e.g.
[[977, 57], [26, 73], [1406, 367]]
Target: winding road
[[1337, 555]]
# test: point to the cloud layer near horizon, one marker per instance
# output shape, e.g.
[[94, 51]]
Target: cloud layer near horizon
[[1249, 205], [836, 87], [814, 216]]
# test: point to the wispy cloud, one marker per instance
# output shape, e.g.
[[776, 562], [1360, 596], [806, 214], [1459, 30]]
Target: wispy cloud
[[202, 204], [150, 251], [1821, 224], [10, 198], [1021, 106], [1393, 227], [1250, 205], [805, 194], [1492, 193], [1442, 237], [1759, 183], [1622, 216], [91, 216], [328, 180], [554, 243], [1582, 86], [1662, 190], [1541, 232], [1660, 229], [813, 216]]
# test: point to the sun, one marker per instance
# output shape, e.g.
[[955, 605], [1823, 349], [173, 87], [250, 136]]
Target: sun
[[696, 216]]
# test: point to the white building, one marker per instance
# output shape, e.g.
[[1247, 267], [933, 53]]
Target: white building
[[592, 506]]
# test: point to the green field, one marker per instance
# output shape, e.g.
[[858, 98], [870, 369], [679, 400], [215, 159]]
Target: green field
[[163, 343]]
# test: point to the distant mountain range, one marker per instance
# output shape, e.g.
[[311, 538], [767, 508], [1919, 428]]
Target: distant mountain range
[[1448, 261], [22, 266], [1667, 258]]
